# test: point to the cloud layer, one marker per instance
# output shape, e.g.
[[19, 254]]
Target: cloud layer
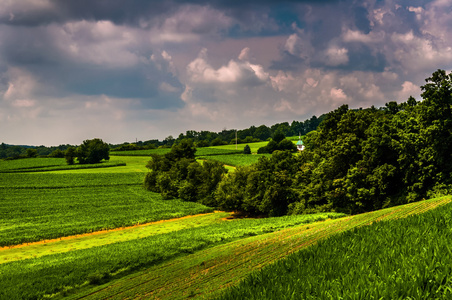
[[73, 70]]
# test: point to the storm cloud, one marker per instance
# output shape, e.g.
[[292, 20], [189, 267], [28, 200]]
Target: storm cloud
[[73, 70]]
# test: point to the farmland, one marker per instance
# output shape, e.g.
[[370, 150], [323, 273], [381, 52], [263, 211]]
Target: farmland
[[406, 258], [47, 205], [95, 233], [49, 164], [202, 273]]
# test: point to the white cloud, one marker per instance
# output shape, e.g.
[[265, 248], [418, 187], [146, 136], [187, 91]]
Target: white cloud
[[238, 72], [338, 94], [408, 89], [337, 56], [420, 53]]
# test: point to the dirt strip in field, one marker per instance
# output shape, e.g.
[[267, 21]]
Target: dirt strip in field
[[104, 237]]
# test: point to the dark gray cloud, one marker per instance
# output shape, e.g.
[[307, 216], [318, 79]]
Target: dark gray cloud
[[157, 68]]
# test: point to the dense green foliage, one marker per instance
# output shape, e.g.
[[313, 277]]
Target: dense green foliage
[[34, 278], [267, 187], [237, 159], [401, 259], [357, 160], [92, 151], [251, 134], [278, 142], [15, 151], [178, 174]]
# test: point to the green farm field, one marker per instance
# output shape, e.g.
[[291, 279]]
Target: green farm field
[[49, 164], [407, 258], [53, 204], [95, 233], [208, 273], [253, 146]]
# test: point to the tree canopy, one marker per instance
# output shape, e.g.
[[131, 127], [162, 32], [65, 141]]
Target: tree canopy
[[92, 151], [178, 174], [357, 160]]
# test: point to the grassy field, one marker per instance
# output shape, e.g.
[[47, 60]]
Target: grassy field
[[47, 205], [50, 164], [205, 273], [403, 259], [44, 275], [253, 146]]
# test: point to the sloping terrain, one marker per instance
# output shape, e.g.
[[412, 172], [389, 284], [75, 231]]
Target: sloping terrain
[[205, 273]]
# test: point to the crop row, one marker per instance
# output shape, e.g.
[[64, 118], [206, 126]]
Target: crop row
[[407, 258], [29, 163], [49, 164], [11, 181], [28, 215], [205, 273], [35, 278]]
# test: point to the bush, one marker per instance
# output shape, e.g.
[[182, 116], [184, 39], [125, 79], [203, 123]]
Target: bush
[[247, 150]]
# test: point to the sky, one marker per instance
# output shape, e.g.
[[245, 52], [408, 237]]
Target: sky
[[143, 69]]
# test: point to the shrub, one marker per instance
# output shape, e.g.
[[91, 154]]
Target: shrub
[[247, 150]]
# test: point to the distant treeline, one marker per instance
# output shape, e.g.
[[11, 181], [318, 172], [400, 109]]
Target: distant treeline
[[209, 138], [15, 151], [200, 139]]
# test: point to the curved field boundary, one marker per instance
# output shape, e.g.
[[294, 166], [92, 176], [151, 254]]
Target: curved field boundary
[[205, 273], [105, 237]]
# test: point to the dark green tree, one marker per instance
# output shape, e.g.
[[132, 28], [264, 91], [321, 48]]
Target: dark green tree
[[184, 149], [69, 155], [178, 174], [57, 153], [92, 151], [247, 150], [278, 136], [32, 152]]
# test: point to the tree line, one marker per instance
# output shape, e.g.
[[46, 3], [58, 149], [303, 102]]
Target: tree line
[[200, 139], [356, 161]]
